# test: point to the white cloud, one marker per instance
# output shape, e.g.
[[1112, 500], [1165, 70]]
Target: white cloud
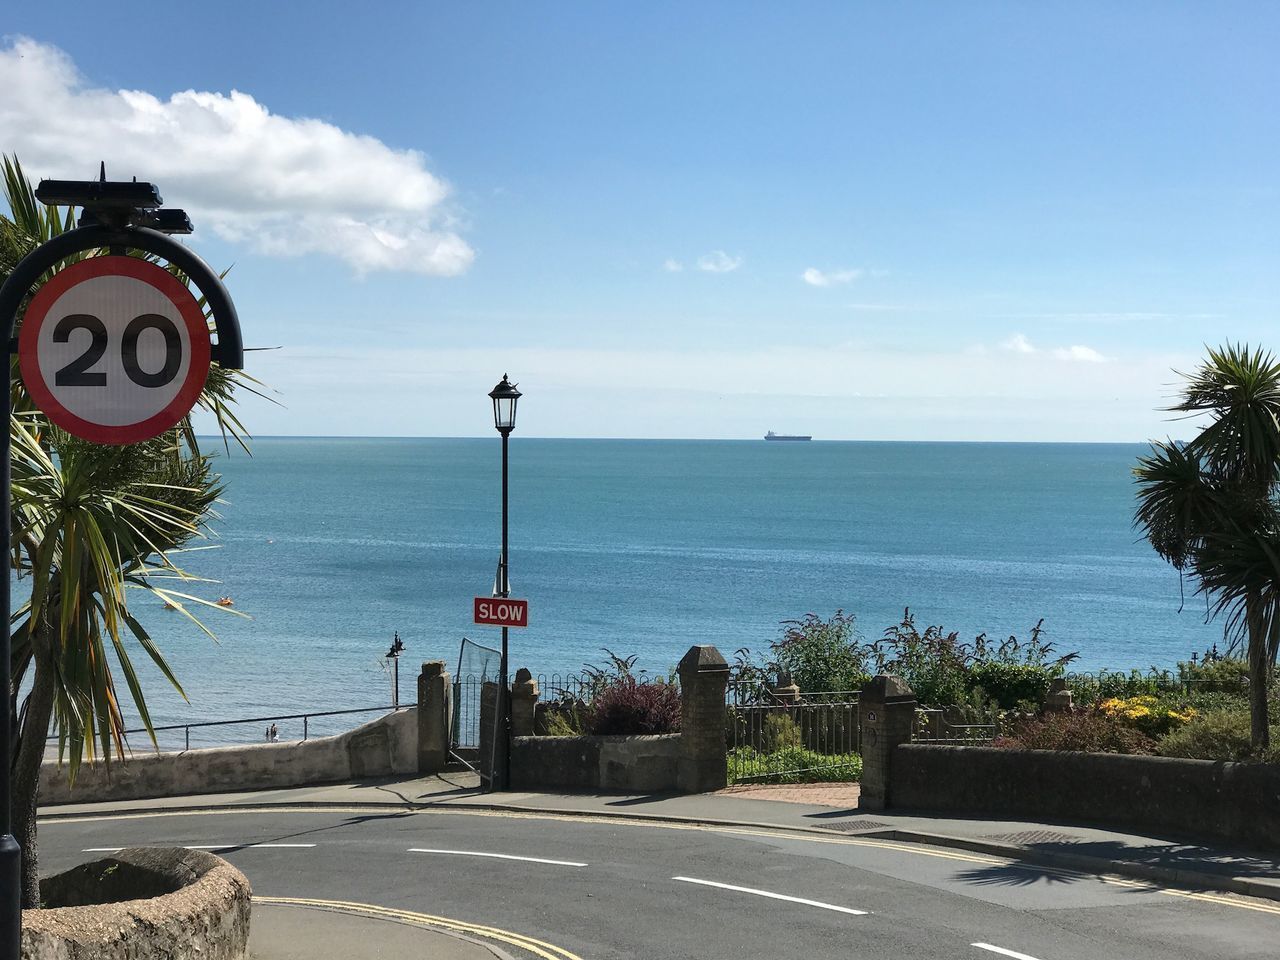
[[717, 261], [1018, 344], [1080, 353], [286, 186], [672, 266], [817, 278]]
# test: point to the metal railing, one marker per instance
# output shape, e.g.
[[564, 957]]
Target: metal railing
[[306, 726], [1088, 686], [771, 739], [953, 726]]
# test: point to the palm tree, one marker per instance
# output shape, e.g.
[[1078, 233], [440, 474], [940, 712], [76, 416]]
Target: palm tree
[[90, 523], [1211, 507]]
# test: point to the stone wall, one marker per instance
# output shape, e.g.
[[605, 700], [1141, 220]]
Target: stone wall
[[202, 909], [632, 764], [380, 748], [1235, 802], [691, 761]]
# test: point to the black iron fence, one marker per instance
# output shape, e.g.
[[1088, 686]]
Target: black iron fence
[[793, 738], [955, 726], [1091, 686]]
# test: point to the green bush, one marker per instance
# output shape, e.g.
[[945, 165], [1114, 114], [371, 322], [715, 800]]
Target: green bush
[[780, 732], [560, 723], [1012, 684], [1221, 674], [1217, 735], [793, 765], [820, 655]]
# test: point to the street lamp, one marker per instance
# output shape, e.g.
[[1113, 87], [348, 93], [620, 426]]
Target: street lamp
[[505, 397], [397, 648]]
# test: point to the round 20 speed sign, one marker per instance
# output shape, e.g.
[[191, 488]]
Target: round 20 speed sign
[[114, 349]]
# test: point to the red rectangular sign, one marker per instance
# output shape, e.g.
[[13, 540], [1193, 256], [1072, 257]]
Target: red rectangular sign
[[502, 611]]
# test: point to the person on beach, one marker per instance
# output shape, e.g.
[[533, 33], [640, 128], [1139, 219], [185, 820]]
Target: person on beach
[[273, 734]]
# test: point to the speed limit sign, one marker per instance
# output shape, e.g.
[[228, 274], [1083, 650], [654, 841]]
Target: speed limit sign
[[114, 349]]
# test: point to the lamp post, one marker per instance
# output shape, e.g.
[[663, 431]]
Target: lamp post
[[504, 397], [397, 648]]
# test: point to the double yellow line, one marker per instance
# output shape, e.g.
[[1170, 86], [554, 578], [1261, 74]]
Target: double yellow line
[[538, 948]]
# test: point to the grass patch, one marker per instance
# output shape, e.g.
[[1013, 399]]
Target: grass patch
[[793, 765]]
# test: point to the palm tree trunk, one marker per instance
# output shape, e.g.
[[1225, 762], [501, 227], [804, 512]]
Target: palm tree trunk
[[26, 771], [1259, 673]]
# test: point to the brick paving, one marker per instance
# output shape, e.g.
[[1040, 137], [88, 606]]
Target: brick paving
[[843, 795]]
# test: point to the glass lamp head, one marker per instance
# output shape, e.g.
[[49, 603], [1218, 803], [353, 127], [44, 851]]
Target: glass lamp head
[[504, 396]]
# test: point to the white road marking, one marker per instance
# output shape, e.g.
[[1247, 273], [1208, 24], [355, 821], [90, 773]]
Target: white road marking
[[282, 846], [774, 896], [1003, 952], [498, 856], [216, 846]]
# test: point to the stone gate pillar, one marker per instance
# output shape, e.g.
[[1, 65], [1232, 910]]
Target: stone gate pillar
[[435, 712], [524, 701], [703, 676], [886, 715]]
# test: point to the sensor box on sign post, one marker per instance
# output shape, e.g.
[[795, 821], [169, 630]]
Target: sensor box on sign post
[[501, 612]]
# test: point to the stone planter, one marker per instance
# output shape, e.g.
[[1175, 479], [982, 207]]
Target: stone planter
[[143, 903]]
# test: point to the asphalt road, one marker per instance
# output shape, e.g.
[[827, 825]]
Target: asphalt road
[[599, 890]]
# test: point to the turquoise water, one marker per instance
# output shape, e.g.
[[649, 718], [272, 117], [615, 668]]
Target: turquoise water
[[646, 547]]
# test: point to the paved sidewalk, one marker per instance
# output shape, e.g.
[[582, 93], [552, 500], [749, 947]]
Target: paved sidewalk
[[298, 933], [823, 809]]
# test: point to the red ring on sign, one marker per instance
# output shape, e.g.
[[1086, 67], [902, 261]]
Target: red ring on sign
[[114, 266]]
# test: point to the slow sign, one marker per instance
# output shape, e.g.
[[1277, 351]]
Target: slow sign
[[502, 612], [114, 349]]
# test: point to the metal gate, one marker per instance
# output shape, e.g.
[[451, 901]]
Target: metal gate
[[477, 665], [814, 738]]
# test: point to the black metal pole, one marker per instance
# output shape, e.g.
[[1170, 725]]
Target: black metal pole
[[504, 689], [10, 853]]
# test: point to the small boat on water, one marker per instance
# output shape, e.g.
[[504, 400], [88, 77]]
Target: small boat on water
[[785, 436], [170, 606], [225, 602]]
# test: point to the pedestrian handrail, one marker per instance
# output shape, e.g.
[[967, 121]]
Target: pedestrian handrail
[[306, 719]]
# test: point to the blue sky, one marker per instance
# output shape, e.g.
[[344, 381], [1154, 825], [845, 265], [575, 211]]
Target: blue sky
[[894, 221]]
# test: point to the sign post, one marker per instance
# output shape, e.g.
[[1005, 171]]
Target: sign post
[[113, 349]]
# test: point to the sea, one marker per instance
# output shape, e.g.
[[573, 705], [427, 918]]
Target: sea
[[329, 548]]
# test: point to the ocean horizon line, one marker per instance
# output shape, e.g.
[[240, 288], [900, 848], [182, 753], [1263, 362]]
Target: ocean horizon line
[[760, 439]]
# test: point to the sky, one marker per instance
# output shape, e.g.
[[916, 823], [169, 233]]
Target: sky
[[909, 221]]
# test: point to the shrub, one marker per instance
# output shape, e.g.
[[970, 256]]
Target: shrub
[[1088, 731], [1012, 684], [1148, 714], [793, 765], [559, 723], [1217, 735], [1220, 674], [626, 706], [821, 655], [780, 732], [933, 663]]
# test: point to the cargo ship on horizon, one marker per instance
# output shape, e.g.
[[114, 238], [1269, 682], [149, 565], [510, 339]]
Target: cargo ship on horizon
[[784, 436]]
